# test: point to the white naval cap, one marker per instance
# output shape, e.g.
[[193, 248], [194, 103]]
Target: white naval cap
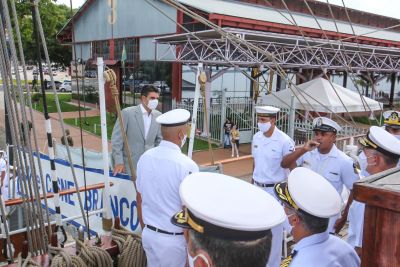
[[266, 110], [174, 117], [392, 118], [308, 191], [225, 207], [325, 125], [379, 139]]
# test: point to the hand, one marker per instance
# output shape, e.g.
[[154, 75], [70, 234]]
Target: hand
[[310, 145], [340, 223], [119, 168]]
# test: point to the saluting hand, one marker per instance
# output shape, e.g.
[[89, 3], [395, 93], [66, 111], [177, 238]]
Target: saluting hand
[[310, 145]]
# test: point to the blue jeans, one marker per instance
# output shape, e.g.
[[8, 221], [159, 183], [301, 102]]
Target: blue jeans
[[227, 139]]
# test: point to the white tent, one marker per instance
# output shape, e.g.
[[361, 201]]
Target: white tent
[[321, 97]]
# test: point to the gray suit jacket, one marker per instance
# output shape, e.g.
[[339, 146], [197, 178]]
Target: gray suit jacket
[[134, 128]]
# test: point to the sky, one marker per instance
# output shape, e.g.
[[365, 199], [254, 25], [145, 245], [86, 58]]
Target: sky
[[388, 8]]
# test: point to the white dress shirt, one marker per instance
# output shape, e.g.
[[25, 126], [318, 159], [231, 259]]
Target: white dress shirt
[[160, 172], [146, 120], [268, 153], [336, 167]]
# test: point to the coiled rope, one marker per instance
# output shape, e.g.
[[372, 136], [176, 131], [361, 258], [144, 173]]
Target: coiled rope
[[94, 256], [130, 247], [60, 258], [27, 262]]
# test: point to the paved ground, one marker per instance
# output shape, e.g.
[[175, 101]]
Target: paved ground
[[241, 167]]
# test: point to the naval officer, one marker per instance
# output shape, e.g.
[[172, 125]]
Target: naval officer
[[322, 156], [268, 147], [392, 122], [160, 172], [310, 200], [382, 151], [228, 221]]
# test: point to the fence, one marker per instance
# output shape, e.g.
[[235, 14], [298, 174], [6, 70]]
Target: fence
[[240, 110]]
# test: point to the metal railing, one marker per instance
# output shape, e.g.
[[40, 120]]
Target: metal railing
[[240, 110]]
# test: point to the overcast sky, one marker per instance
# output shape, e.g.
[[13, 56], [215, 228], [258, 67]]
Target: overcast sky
[[390, 8]]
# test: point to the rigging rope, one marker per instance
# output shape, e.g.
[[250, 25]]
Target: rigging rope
[[13, 113], [27, 88], [80, 117], [234, 39], [109, 76], [43, 40]]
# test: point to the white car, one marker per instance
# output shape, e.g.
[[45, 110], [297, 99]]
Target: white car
[[66, 86]]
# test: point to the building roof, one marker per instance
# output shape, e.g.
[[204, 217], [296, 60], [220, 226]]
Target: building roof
[[268, 14], [253, 13]]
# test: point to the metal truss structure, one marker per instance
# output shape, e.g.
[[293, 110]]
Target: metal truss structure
[[288, 51]]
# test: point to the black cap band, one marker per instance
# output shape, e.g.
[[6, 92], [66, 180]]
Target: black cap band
[[187, 219], [368, 143], [324, 128]]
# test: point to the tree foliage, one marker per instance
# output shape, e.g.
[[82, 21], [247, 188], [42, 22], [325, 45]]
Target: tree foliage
[[53, 17]]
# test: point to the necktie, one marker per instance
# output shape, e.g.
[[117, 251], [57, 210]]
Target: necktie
[[286, 262]]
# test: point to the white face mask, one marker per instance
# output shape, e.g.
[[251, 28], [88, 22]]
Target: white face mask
[[362, 160], [153, 103], [191, 260], [183, 141], [264, 126]]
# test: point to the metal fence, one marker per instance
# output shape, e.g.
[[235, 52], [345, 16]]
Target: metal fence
[[240, 110]]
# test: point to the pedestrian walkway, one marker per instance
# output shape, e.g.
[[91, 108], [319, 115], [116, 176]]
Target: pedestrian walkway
[[241, 167]]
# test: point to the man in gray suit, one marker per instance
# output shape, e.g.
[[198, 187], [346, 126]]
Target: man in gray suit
[[142, 130]]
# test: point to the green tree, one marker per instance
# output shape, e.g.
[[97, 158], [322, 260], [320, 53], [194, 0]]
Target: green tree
[[53, 18]]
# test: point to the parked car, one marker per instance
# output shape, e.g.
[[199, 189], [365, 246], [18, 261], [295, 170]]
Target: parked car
[[48, 84], [90, 74], [132, 85], [162, 86], [66, 86]]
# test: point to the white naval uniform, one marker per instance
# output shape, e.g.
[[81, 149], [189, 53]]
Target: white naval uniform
[[336, 167], [324, 250], [268, 153], [159, 174]]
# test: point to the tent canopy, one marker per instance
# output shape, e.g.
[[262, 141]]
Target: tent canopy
[[321, 97]]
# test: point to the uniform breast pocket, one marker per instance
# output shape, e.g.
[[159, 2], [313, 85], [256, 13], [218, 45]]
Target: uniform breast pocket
[[275, 153], [333, 176]]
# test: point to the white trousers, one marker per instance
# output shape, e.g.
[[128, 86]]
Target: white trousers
[[275, 257], [164, 250], [356, 224]]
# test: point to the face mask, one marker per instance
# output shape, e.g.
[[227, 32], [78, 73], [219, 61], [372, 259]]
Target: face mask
[[362, 159], [183, 141], [192, 260], [153, 103], [264, 126]]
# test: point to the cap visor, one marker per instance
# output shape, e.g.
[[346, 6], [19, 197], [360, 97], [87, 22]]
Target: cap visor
[[180, 219], [280, 189]]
